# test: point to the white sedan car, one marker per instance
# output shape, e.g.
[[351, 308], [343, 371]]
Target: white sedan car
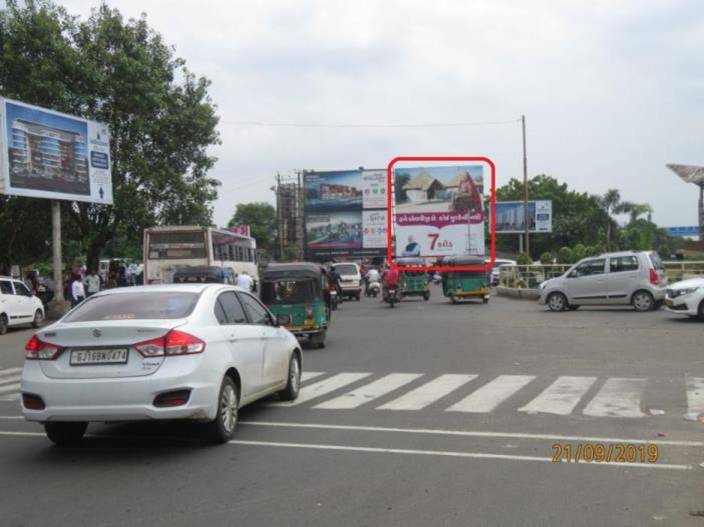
[[686, 298], [185, 351]]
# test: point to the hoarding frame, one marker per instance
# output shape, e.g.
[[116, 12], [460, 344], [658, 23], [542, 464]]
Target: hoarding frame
[[390, 207], [522, 203], [98, 145]]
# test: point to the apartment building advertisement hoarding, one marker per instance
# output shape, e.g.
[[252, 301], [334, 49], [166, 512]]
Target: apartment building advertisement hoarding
[[48, 154], [345, 213], [510, 217]]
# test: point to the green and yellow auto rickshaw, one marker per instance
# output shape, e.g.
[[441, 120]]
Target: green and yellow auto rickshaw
[[460, 285], [300, 291], [413, 282]]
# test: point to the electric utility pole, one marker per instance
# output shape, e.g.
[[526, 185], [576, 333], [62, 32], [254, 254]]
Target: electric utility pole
[[525, 187]]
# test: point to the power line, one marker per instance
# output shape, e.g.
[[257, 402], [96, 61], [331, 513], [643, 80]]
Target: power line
[[368, 125]]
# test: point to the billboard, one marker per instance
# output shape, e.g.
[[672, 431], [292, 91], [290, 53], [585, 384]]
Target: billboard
[[240, 229], [345, 213], [439, 211], [510, 217], [47, 154]]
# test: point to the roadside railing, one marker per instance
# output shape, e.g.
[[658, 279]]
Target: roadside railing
[[530, 276]]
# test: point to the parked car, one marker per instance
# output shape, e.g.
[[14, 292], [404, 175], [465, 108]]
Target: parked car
[[636, 278], [18, 305], [495, 273], [686, 298], [178, 351], [350, 279]]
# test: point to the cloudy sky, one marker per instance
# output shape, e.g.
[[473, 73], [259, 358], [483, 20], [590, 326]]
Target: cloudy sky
[[611, 89]]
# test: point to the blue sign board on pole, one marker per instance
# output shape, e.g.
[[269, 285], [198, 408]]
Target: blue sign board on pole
[[692, 230]]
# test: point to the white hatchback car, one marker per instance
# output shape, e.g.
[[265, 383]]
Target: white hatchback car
[[181, 351], [18, 305], [686, 298]]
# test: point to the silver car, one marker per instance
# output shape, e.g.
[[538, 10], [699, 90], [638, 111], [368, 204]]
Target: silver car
[[181, 351], [622, 278]]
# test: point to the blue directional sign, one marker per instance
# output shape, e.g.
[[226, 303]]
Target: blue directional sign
[[692, 230]]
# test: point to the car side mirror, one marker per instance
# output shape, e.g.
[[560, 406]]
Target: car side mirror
[[283, 320]]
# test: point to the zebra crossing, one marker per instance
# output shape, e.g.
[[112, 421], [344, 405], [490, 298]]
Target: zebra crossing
[[620, 397], [10, 384]]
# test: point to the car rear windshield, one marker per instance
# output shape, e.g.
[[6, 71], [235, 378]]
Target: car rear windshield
[[657, 262], [134, 306], [346, 269]]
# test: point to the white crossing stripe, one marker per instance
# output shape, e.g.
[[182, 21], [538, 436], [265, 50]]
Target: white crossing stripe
[[11, 397], [10, 371], [492, 394], [695, 394], [370, 391], [308, 375], [619, 397], [8, 380], [9, 389], [320, 388], [428, 393], [560, 397]]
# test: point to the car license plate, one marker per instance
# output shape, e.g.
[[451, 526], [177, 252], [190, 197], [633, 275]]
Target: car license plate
[[101, 356]]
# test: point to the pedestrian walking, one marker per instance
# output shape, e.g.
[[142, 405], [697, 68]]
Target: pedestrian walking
[[245, 281]]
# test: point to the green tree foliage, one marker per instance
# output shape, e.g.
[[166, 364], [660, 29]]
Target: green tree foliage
[[25, 231], [547, 257], [261, 218], [577, 217], [119, 72]]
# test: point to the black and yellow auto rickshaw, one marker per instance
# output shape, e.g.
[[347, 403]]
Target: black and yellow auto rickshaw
[[413, 282], [460, 285], [300, 291]]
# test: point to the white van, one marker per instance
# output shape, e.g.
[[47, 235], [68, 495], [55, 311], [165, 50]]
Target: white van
[[350, 279]]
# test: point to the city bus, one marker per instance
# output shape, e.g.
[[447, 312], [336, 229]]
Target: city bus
[[168, 248]]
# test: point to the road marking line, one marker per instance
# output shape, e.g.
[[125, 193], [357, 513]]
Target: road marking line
[[369, 392], [428, 393], [28, 434], [12, 397], [449, 453], [9, 380], [619, 397], [695, 394], [308, 375], [492, 394], [10, 371], [320, 388], [560, 397], [9, 389], [470, 433], [11, 417]]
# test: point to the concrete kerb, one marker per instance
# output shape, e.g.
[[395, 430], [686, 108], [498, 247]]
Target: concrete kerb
[[520, 293]]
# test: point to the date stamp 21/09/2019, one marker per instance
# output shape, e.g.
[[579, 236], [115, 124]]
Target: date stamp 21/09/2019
[[605, 453]]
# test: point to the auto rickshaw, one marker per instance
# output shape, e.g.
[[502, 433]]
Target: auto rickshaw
[[459, 285], [413, 283], [300, 291]]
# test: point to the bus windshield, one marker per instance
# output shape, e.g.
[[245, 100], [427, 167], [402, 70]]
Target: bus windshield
[[177, 245]]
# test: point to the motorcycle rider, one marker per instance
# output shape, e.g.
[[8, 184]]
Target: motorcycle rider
[[334, 279], [372, 277], [390, 278]]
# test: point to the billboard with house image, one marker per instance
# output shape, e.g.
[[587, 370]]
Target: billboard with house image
[[439, 210]]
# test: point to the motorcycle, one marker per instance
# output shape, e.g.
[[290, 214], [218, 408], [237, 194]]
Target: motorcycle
[[334, 298], [392, 296], [373, 289]]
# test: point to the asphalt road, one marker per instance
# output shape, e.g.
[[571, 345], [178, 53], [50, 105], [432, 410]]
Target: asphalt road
[[427, 414]]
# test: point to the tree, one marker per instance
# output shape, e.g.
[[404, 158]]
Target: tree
[[25, 237], [611, 203], [261, 218], [119, 72], [577, 217]]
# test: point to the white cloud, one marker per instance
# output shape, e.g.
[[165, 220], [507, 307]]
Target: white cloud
[[612, 90]]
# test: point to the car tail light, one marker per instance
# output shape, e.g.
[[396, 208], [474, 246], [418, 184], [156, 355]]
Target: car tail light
[[173, 343], [653, 277], [37, 349]]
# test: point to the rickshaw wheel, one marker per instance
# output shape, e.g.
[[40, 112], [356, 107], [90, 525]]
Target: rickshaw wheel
[[485, 299], [453, 299], [426, 296], [318, 340]]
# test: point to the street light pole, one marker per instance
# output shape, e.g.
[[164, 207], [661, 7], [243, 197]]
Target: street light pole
[[525, 187]]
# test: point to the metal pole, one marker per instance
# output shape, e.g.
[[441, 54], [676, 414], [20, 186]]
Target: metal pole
[[279, 216], [56, 250], [525, 186], [701, 212]]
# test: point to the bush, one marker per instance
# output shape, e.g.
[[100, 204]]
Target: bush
[[523, 259], [547, 258], [664, 252], [565, 255]]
